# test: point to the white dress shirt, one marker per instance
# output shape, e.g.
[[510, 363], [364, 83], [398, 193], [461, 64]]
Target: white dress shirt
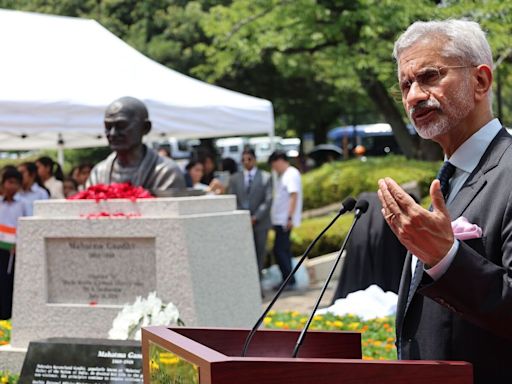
[[252, 173]]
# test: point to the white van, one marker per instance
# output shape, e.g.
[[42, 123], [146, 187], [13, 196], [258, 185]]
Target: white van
[[180, 149], [291, 146], [234, 146], [263, 148], [231, 147]]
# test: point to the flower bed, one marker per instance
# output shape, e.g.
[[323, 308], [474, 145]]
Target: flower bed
[[5, 331], [378, 335], [5, 336], [8, 378]]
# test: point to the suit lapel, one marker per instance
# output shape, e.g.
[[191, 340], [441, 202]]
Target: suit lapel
[[240, 186], [477, 180], [241, 180], [256, 179], [466, 194]]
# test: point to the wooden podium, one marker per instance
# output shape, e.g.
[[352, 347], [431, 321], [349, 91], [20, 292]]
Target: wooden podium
[[212, 356]]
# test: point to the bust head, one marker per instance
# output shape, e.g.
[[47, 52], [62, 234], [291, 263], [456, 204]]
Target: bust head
[[126, 122]]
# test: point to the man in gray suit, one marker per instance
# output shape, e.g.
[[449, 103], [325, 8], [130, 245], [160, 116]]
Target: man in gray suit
[[455, 303], [253, 190]]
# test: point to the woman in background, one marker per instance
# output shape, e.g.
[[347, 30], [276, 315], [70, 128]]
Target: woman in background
[[51, 175], [70, 187], [193, 175], [32, 188]]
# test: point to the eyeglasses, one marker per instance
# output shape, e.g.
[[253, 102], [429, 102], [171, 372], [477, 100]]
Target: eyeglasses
[[428, 77]]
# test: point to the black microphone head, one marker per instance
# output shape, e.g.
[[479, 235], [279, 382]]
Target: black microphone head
[[348, 204], [361, 206]]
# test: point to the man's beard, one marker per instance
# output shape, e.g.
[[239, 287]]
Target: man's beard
[[448, 117]]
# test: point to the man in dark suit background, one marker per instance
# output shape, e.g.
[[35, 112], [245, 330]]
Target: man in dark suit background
[[455, 303], [253, 190]]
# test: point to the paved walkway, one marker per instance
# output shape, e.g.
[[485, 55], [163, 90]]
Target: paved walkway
[[301, 301]]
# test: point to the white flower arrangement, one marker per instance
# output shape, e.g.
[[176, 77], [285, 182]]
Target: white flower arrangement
[[142, 313]]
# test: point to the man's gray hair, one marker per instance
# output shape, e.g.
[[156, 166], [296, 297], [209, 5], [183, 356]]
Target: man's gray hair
[[465, 40]]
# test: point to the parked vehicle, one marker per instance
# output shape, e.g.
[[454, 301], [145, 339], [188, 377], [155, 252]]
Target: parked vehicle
[[231, 147], [234, 146], [263, 148], [180, 149], [372, 139], [291, 146]]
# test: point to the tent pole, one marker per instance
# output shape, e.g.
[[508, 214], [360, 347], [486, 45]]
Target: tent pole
[[60, 151], [272, 135], [60, 155]]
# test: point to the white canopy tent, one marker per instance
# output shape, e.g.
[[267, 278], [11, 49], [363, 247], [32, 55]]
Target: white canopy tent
[[58, 74]]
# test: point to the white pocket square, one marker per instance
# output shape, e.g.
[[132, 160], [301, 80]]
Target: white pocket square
[[464, 230]]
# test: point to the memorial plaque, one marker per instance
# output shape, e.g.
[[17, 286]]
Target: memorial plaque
[[82, 361], [99, 270]]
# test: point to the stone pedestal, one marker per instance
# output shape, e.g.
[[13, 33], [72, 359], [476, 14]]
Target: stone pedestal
[[74, 273]]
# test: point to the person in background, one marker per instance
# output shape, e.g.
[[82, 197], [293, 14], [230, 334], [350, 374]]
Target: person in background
[[82, 174], [74, 173], [12, 207], [51, 175], [374, 255], [253, 190], [164, 152], [209, 167], [286, 210], [32, 187], [193, 175], [70, 187], [229, 165]]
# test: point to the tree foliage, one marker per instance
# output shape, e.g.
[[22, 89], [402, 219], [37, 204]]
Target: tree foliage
[[321, 62], [345, 45]]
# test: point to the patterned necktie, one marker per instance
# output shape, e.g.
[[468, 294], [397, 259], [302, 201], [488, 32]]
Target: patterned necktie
[[249, 182], [444, 176]]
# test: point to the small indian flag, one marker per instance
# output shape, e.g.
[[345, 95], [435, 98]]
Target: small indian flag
[[7, 237]]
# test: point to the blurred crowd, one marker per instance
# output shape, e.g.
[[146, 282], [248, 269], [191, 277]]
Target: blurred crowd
[[276, 206]]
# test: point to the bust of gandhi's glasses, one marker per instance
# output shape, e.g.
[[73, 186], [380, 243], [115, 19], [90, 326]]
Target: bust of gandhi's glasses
[[428, 77]]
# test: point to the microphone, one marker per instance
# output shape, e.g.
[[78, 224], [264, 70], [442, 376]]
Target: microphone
[[346, 206], [360, 209]]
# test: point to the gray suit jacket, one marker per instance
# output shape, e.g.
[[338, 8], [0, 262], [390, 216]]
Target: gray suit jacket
[[259, 199], [467, 313]]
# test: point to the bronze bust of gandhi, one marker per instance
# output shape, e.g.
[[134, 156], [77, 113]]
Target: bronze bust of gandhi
[[126, 123]]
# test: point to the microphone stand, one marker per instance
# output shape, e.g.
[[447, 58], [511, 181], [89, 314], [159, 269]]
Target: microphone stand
[[361, 208], [349, 202]]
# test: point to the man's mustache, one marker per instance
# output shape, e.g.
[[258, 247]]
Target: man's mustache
[[425, 104]]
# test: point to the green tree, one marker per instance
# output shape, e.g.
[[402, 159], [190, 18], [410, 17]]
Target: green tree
[[345, 45]]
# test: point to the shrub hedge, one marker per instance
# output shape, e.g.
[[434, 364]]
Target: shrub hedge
[[330, 242], [302, 236], [334, 181]]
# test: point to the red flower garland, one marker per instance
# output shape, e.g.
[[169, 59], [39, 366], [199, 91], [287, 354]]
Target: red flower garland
[[112, 191], [100, 192]]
